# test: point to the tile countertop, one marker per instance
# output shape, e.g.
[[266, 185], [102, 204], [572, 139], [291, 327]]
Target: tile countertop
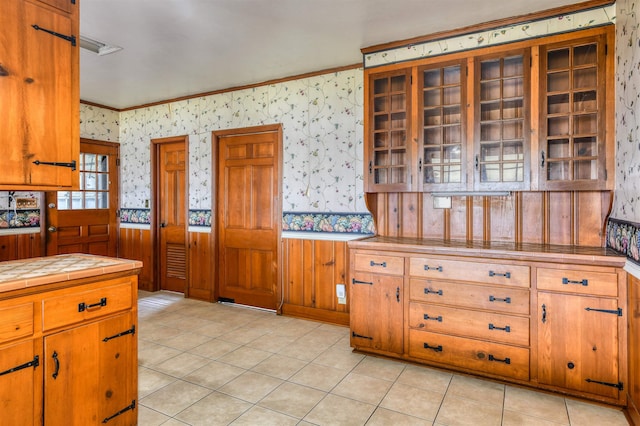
[[18, 274]]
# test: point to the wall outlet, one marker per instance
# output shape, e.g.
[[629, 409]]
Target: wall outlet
[[341, 294]]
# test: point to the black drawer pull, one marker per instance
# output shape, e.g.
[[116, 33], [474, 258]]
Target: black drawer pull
[[506, 328], [354, 281], [428, 291], [433, 348], [506, 360], [383, 264], [438, 318], [83, 306], [584, 282], [56, 363], [431, 268], [494, 274], [495, 299]]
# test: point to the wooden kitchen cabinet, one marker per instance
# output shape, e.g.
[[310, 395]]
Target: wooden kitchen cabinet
[[94, 359], [40, 86], [549, 317], [579, 338], [574, 140], [69, 345], [464, 121], [376, 312]]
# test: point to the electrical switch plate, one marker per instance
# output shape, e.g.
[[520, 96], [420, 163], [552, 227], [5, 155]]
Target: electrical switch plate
[[341, 294]]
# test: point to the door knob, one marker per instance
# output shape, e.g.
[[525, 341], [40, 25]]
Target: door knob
[[52, 229]]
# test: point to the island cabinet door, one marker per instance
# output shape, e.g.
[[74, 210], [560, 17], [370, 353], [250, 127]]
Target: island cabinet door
[[19, 385], [376, 312], [578, 343], [88, 373]]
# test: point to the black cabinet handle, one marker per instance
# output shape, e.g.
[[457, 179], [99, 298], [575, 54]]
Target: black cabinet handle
[[544, 313], [438, 318], [398, 294], [354, 281], [495, 274], [383, 264], [506, 328], [496, 299], [583, 282], [56, 362], [433, 348], [83, 306], [506, 360], [429, 268], [542, 160], [429, 291]]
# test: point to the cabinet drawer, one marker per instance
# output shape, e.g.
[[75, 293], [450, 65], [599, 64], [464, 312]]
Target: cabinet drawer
[[85, 305], [578, 281], [461, 322], [486, 357], [392, 265], [16, 322], [501, 299], [489, 273]]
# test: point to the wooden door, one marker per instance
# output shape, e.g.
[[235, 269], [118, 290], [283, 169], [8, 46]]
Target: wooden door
[[85, 221], [249, 215], [87, 374], [578, 343], [171, 213]]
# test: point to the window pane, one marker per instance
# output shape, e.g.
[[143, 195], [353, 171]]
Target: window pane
[[90, 200], [103, 163], [64, 200], [103, 200], [89, 162], [90, 181]]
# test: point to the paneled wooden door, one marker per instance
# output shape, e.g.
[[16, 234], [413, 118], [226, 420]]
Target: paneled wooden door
[[171, 207], [249, 212], [85, 221]]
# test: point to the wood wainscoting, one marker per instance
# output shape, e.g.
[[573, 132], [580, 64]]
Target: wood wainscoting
[[633, 390], [21, 246], [135, 244], [311, 270], [559, 217]]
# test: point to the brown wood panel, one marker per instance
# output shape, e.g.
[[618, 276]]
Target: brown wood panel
[[563, 218], [136, 244], [201, 267], [20, 246], [633, 389], [312, 268]]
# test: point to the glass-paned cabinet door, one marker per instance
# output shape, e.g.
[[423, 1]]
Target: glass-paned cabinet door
[[442, 116], [572, 146], [501, 158], [389, 150]]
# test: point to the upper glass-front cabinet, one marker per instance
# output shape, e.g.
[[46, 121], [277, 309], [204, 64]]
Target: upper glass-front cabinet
[[442, 123], [501, 158], [572, 148], [389, 132]]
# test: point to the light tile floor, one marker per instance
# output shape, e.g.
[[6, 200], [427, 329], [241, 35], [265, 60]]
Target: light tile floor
[[214, 364]]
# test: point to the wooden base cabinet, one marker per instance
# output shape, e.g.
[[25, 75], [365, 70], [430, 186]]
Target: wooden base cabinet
[[550, 317], [377, 307], [68, 352], [578, 332]]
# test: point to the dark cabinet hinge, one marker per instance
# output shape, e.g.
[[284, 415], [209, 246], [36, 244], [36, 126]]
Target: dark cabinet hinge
[[132, 330], [34, 363], [618, 385], [617, 312], [70, 38], [360, 336], [71, 165], [131, 406]]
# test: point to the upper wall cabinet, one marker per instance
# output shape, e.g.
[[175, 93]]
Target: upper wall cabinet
[[524, 116], [389, 132], [573, 122], [40, 94]]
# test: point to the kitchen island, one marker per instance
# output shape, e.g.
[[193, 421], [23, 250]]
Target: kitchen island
[[68, 343]]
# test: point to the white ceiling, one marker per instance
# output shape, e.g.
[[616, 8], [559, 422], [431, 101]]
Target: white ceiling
[[175, 48]]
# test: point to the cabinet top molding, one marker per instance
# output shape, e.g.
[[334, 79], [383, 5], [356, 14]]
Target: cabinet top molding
[[486, 37]]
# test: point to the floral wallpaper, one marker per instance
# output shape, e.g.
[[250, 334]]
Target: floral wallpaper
[[626, 204], [99, 123], [526, 30], [331, 222], [322, 136]]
